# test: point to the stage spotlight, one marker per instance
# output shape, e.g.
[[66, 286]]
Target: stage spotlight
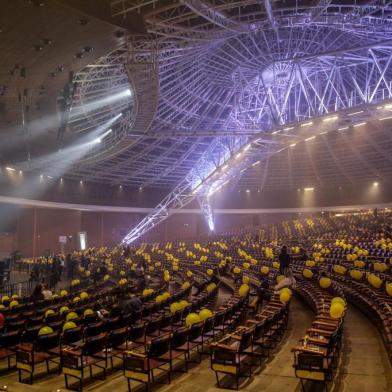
[[128, 92], [375, 183], [11, 169], [309, 189]]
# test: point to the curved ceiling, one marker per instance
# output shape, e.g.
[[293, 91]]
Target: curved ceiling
[[203, 71]]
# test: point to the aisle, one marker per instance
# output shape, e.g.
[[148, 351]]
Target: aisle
[[278, 374], [364, 364]]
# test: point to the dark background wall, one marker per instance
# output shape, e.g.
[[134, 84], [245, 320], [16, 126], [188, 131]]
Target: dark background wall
[[33, 231], [37, 230]]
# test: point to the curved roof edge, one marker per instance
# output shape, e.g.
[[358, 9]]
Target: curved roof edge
[[97, 208]]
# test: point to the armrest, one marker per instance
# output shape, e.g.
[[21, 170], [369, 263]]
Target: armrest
[[319, 331], [325, 324], [223, 346], [72, 352], [135, 354], [328, 319], [316, 341]]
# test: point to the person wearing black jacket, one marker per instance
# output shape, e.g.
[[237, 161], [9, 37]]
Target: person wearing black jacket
[[284, 260]]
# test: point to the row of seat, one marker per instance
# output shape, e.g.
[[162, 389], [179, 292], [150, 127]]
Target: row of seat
[[317, 354], [250, 343], [375, 303]]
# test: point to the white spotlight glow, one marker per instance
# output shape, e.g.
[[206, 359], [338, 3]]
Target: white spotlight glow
[[359, 124], [309, 189], [307, 124], [128, 92], [327, 119], [375, 183], [10, 169]]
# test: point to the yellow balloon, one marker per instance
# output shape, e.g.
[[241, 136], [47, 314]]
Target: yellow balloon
[[174, 307], [245, 279], [284, 297], [71, 316], [336, 310], [83, 295], [338, 299], [210, 272], [356, 275], [325, 282], [375, 281], [243, 290], [191, 319], [48, 312], [388, 288], [307, 273], [359, 263], [264, 270], [339, 269], [204, 314], [380, 267], [45, 331], [64, 309], [287, 290]]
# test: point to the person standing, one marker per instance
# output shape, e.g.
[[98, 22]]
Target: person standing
[[284, 260]]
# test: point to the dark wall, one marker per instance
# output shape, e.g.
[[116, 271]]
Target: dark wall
[[38, 230]]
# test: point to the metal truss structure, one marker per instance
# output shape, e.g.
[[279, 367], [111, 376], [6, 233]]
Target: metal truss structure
[[229, 85]]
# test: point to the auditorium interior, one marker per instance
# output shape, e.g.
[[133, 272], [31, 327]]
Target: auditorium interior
[[196, 195]]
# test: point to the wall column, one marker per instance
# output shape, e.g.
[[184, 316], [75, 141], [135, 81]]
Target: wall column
[[101, 241], [34, 231]]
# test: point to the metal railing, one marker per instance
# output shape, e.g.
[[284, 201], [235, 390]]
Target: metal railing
[[21, 289]]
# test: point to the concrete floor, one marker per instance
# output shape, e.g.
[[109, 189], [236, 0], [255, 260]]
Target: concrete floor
[[364, 365]]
